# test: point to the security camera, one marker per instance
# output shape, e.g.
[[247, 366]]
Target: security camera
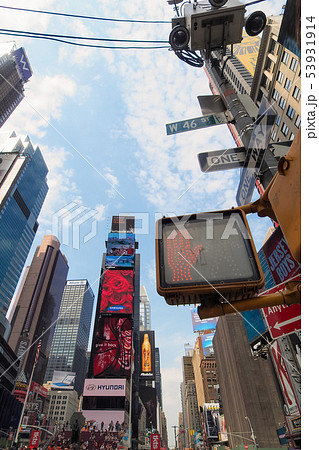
[[213, 28], [179, 37], [255, 23], [218, 3]]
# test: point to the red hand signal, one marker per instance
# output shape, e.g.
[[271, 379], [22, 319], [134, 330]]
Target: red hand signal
[[181, 257]]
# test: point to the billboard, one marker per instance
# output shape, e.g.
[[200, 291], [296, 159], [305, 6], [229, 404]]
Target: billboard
[[202, 325], [147, 355], [212, 420], [63, 380], [120, 250], [117, 292], [23, 63], [107, 387], [123, 224], [106, 417], [112, 348], [207, 343], [148, 397]]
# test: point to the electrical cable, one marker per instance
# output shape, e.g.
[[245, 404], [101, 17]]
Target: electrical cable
[[84, 17], [81, 37], [189, 57], [81, 44]]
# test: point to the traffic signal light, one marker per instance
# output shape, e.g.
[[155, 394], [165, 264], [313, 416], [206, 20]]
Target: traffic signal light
[[208, 253]]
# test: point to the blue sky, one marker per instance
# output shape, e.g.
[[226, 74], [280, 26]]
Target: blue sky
[[99, 118]]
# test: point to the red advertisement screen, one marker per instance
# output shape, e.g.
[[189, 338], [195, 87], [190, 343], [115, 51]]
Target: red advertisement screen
[[117, 292], [112, 347]]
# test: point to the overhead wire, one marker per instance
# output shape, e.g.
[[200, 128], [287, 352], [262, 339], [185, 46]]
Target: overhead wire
[[85, 17]]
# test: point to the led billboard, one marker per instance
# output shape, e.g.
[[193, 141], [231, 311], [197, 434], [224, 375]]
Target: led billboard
[[147, 355], [114, 387], [202, 325], [63, 380], [207, 343], [123, 224], [119, 244], [112, 347], [117, 292]]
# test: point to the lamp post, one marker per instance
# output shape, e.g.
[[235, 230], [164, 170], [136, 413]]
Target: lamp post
[[252, 431]]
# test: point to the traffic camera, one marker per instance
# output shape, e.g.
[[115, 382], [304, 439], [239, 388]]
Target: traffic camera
[[209, 253], [213, 25]]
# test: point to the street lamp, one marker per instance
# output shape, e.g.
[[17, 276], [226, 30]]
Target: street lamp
[[252, 431]]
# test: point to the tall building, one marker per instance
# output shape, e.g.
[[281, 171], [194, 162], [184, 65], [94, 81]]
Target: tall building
[[37, 308], [15, 71], [23, 188], [71, 335], [158, 377], [277, 77], [248, 386], [145, 321]]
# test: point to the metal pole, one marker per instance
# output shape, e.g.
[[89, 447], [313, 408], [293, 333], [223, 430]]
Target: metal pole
[[24, 404], [252, 431]]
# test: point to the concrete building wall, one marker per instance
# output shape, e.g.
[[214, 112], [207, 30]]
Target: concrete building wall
[[247, 385]]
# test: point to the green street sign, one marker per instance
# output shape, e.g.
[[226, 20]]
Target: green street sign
[[196, 123]]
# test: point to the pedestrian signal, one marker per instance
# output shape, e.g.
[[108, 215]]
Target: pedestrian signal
[[208, 253]]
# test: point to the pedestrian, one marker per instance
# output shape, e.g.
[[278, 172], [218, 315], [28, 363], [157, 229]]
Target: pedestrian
[[102, 425]]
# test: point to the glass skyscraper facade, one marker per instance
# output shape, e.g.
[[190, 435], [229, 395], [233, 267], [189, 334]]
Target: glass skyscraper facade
[[23, 188], [71, 336]]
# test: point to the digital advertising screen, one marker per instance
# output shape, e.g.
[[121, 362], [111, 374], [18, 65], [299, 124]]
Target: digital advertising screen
[[147, 355], [207, 342], [112, 347], [117, 292], [202, 325], [63, 380]]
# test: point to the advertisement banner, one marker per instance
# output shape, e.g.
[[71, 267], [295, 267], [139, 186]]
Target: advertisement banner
[[117, 292], [202, 325], [23, 63], [123, 224], [291, 405], [63, 380], [34, 438], [148, 397], [155, 441], [212, 420], [207, 343], [120, 244], [147, 355], [126, 261], [97, 417], [281, 263], [112, 348], [107, 387], [289, 34]]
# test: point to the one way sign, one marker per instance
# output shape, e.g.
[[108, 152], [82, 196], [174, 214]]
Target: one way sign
[[257, 146]]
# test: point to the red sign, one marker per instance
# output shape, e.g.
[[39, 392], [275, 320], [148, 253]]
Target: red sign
[[155, 441], [282, 319], [117, 292], [35, 438]]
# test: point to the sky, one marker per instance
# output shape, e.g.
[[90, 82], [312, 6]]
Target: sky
[[98, 116]]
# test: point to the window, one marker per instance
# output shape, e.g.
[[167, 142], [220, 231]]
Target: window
[[290, 112], [293, 64], [275, 95], [278, 119], [282, 103], [272, 46], [285, 57], [291, 137], [298, 121], [284, 129], [296, 93], [280, 77], [288, 84]]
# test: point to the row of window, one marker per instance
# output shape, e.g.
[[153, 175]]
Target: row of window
[[282, 102]]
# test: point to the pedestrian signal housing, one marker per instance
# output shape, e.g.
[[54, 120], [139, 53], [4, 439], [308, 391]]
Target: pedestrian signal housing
[[208, 253]]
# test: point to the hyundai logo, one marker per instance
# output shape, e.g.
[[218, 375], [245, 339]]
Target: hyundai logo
[[90, 387]]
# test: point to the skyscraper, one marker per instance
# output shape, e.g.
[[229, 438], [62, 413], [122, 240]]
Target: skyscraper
[[38, 306], [145, 322], [23, 188], [15, 71], [71, 335]]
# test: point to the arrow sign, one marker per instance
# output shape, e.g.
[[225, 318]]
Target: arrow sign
[[196, 123], [280, 325], [230, 158]]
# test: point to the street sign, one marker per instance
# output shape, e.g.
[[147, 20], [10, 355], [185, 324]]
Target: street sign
[[214, 161], [282, 319], [257, 146], [196, 123]]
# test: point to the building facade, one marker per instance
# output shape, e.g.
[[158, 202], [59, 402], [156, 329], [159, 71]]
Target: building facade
[[37, 308], [248, 386], [23, 188], [15, 71], [62, 405], [145, 319], [71, 335], [277, 77]]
